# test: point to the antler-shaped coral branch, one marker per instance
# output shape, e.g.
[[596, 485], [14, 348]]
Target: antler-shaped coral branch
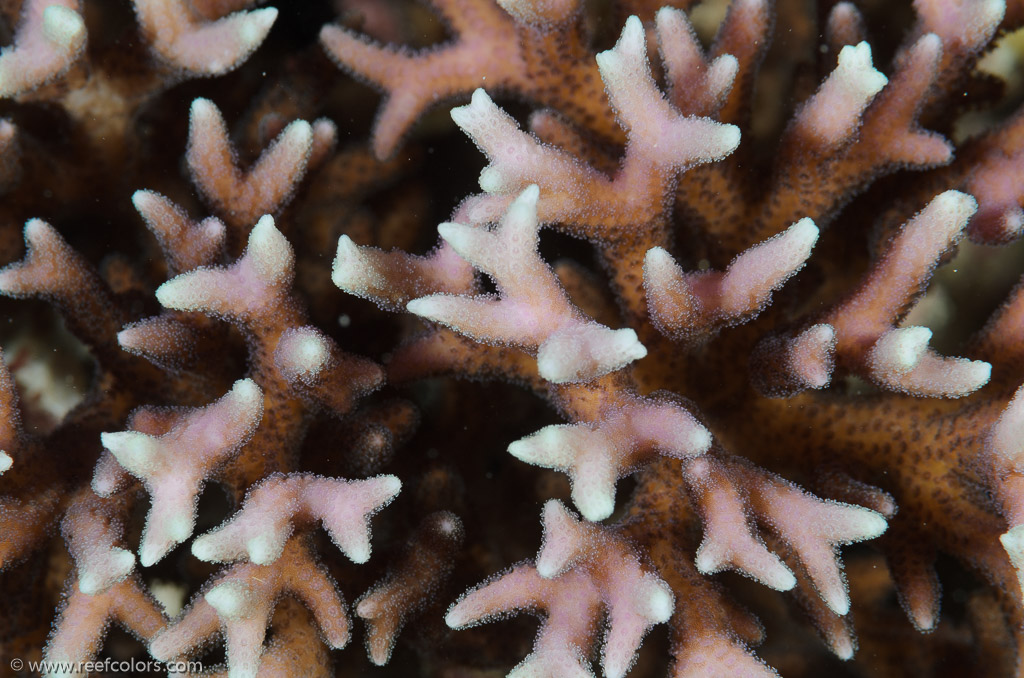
[[50, 37], [812, 527], [393, 279], [175, 339], [278, 505], [84, 620], [54, 271], [538, 52], [782, 365], [833, 114], [691, 305], [411, 584], [241, 197], [104, 590], [898, 358], [241, 602], [596, 455], [175, 466], [185, 244], [697, 86], [198, 47], [91, 533], [253, 286], [580, 567], [661, 143], [532, 310]]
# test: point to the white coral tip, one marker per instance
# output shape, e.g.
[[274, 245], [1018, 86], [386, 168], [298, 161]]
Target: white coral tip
[[836, 599], [203, 112], [869, 524], [458, 616], [230, 600], [63, 26], [586, 352], [480, 105], [596, 501], [492, 180], [299, 134], [431, 307], [257, 25], [351, 271], [247, 393], [136, 452], [1008, 432], [1013, 542], [269, 250], [263, 549], [900, 350], [550, 447], [117, 564], [5, 461], [721, 75], [655, 600], [858, 71], [205, 548], [951, 209], [150, 552], [304, 351]]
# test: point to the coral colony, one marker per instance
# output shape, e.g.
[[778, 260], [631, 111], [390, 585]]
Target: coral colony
[[287, 374]]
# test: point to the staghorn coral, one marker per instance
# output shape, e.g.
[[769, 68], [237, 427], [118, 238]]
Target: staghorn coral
[[694, 318]]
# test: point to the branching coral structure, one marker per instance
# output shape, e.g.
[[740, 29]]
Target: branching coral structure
[[730, 307]]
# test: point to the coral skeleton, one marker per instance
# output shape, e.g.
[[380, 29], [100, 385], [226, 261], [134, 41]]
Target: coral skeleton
[[313, 305]]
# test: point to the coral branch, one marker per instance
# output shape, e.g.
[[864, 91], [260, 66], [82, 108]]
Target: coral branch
[[50, 37], [411, 583], [240, 602], [868, 343], [84, 620], [249, 289], [579, 568], [832, 115], [532, 311], [280, 504], [242, 197], [811, 527], [393, 279], [596, 455], [314, 365], [198, 47], [186, 244], [692, 305], [661, 143], [175, 466]]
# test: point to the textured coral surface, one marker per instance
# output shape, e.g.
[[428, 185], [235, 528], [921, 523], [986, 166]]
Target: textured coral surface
[[706, 360]]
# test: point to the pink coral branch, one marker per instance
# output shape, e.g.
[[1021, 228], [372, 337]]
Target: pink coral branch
[[532, 310], [596, 455], [580, 566], [175, 466], [241, 602], [280, 504], [692, 305], [198, 47], [49, 38], [241, 197]]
